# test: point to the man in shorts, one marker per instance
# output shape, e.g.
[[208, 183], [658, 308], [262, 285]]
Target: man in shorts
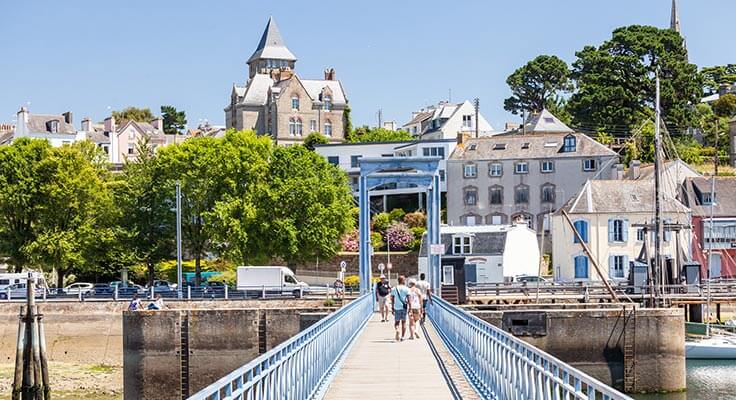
[[426, 290], [399, 300], [382, 291]]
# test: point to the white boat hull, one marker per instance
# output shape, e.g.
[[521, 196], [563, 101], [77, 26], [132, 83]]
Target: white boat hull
[[711, 348]]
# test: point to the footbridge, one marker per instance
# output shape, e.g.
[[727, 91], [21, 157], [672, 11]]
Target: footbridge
[[351, 354]]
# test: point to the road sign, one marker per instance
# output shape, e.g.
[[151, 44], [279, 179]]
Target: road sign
[[437, 249], [343, 266], [381, 267]]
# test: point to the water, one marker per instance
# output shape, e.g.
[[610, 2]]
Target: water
[[706, 379]]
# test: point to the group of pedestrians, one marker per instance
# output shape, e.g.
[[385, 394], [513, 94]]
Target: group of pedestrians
[[407, 302], [136, 304]]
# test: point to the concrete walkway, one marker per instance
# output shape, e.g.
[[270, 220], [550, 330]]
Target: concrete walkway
[[379, 368]]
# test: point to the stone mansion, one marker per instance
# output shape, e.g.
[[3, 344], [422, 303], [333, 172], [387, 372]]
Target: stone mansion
[[275, 101]]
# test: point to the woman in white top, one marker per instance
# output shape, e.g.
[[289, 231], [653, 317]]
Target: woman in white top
[[414, 302]]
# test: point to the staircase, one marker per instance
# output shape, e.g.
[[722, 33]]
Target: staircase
[[629, 350], [450, 294]]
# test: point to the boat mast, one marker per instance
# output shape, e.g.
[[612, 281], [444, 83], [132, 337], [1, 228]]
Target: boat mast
[[710, 253], [659, 275]]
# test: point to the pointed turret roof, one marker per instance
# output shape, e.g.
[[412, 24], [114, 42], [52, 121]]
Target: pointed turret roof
[[545, 121], [271, 45], [675, 18]]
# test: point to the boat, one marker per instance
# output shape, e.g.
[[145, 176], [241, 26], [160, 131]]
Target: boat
[[713, 347]]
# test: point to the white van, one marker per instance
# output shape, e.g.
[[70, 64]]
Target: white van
[[271, 279], [7, 279]]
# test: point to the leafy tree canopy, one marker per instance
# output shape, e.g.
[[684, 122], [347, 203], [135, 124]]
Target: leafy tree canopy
[[365, 134], [725, 106], [713, 77], [174, 120], [134, 114], [313, 139], [537, 84]]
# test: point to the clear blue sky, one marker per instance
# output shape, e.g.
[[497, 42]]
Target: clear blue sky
[[86, 56]]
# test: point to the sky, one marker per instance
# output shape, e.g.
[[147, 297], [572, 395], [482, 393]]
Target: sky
[[90, 57]]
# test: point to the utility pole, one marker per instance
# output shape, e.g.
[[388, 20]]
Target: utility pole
[[476, 104], [380, 118], [657, 197], [179, 275]]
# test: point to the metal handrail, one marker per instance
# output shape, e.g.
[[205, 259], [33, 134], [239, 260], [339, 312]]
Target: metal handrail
[[297, 368], [500, 366]]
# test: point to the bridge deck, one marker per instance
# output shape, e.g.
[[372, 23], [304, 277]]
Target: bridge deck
[[378, 367]]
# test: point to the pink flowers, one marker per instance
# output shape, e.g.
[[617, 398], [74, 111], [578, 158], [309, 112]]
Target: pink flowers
[[399, 236]]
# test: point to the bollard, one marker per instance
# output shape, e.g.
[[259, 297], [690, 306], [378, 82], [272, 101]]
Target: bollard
[[9, 294], [264, 292], [189, 292], [152, 293], [79, 294], [44, 294], [115, 293], [226, 287]]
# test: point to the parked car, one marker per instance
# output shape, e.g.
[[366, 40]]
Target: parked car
[[530, 278], [161, 286], [79, 287], [19, 291], [103, 289]]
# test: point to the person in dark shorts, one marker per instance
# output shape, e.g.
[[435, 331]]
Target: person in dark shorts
[[382, 291], [399, 300]]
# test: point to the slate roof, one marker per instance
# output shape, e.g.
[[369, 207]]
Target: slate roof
[[484, 243], [545, 121], [256, 90], [539, 146], [37, 123], [725, 188], [420, 117], [314, 88], [619, 196], [272, 45]]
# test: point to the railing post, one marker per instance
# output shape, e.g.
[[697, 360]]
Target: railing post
[[115, 293], [189, 292], [226, 289], [263, 292]]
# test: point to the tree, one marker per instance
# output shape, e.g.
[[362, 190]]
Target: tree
[[366, 134], [713, 77], [21, 198], [537, 84], [313, 139], [146, 205], [615, 81], [134, 114], [174, 121], [347, 120], [725, 106]]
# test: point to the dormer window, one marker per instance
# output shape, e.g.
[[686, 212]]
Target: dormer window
[[53, 126], [706, 199], [462, 244], [327, 102], [570, 144]]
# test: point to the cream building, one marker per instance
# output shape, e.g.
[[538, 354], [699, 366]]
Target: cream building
[[606, 214]]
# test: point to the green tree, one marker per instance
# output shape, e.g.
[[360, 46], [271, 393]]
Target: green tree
[[21, 198], [347, 120], [615, 81], [366, 134], [713, 77], [134, 114], [725, 106], [146, 210], [537, 85], [174, 120], [315, 138]]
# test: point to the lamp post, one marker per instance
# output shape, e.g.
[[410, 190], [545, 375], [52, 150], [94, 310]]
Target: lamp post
[[178, 241]]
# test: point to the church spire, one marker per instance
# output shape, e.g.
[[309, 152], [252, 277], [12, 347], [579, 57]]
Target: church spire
[[271, 53], [675, 18]]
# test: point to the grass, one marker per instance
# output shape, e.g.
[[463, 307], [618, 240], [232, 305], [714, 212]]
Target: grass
[[707, 169], [102, 368]]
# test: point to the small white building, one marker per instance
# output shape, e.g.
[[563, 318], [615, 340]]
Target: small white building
[[57, 129], [493, 253], [120, 140], [446, 120]]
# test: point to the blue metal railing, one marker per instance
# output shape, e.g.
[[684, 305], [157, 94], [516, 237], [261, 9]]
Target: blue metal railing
[[297, 368], [500, 366]]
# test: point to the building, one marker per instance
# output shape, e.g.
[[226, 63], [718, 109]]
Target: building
[[608, 214], [493, 180], [57, 129], [493, 253], [696, 194], [277, 102], [674, 173], [120, 141], [445, 121]]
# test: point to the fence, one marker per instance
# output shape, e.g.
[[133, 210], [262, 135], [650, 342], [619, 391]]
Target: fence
[[297, 368], [499, 366]]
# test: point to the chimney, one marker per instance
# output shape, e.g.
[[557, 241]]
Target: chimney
[[21, 125], [158, 124], [330, 74], [462, 137], [510, 126], [86, 124], [618, 172], [634, 169], [68, 117], [110, 124]]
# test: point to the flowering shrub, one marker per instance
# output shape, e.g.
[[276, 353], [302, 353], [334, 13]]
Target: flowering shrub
[[399, 236], [380, 222], [377, 240], [349, 241], [416, 220], [396, 214]]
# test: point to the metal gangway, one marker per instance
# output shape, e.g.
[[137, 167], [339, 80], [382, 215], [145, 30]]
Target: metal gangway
[[496, 364]]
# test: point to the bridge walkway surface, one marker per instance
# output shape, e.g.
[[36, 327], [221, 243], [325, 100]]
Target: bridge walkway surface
[[379, 367]]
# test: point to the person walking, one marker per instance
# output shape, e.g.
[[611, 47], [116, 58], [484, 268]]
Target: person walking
[[414, 299], [382, 291], [399, 300], [426, 290]]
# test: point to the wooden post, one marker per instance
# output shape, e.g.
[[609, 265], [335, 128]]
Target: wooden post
[[19, 347], [590, 256], [31, 367]]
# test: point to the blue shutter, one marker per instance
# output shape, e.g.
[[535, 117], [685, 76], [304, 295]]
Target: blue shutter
[[585, 266], [611, 266], [577, 267], [625, 230], [582, 228], [584, 224], [577, 228], [610, 231]]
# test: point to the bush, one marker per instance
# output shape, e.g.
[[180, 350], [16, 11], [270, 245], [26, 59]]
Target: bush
[[377, 240], [380, 222], [416, 219], [353, 281], [399, 236], [396, 214], [349, 241], [418, 232]]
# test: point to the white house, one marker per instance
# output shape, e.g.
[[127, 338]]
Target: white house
[[493, 253], [120, 141], [446, 120], [57, 129]]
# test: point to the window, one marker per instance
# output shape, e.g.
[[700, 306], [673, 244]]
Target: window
[[521, 168], [569, 144], [590, 164], [334, 160], [289, 279], [354, 161], [313, 125], [295, 126], [295, 102], [328, 128], [581, 267], [618, 230], [327, 103], [106, 149], [521, 194], [434, 152], [582, 227], [442, 175], [131, 148], [470, 220], [640, 235], [461, 244], [54, 126], [722, 236], [706, 199], [495, 169], [471, 197], [131, 134], [448, 275], [617, 266], [470, 171], [666, 233], [548, 193], [525, 145], [496, 219], [496, 195], [499, 146], [547, 167], [467, 121]]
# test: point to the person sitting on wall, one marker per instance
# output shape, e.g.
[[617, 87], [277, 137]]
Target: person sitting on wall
[[158, 303]]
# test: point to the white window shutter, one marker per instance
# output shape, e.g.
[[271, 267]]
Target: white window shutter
[[625, 230], [610, 230]]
